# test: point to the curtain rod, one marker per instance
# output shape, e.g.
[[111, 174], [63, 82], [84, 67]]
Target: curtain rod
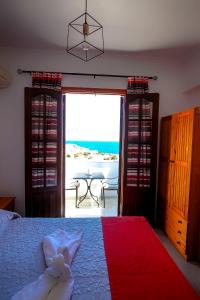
[[20, 71]]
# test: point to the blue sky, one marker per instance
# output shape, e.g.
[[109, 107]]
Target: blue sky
[[92, 117]]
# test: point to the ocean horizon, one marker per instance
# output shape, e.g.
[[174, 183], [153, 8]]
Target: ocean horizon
[[100, 146]]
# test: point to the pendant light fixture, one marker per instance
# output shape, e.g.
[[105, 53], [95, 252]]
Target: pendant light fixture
[[85, 37]]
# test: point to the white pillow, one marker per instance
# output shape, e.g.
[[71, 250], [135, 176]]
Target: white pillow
[[5, 218], [8, 214]]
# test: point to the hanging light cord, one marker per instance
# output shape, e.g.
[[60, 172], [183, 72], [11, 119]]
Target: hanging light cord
[[88, 26], [85, 11]]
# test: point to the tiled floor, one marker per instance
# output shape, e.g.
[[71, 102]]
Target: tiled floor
[[191, 270], [88, 208]]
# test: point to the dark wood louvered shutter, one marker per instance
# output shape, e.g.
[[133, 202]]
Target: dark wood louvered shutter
[[44, 139], [164, 164], [139, 155]]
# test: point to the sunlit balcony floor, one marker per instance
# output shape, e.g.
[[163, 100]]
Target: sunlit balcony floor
[[89, 208]]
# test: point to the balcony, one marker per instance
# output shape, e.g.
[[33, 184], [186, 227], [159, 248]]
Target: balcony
[[108, 165]]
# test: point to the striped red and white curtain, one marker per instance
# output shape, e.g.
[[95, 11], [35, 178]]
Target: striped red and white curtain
[[138, 85], [47, 80], [139, 138], [44, 127]]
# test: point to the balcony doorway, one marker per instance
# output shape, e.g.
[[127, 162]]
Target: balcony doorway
[[92, 145]]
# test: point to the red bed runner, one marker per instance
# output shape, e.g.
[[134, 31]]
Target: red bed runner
[[139, 267]]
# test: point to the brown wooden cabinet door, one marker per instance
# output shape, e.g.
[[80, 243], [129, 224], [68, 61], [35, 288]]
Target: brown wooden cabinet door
[[139, 155], [165, 137], [184, 133], [170, 185], [181, 189], [174, 124], [44, 153], [181, 153], [175, 147]]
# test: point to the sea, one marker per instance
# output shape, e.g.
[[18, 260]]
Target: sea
[[100, 146]]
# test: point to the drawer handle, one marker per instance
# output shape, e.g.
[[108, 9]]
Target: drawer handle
[[178, 242], [179, 221], [179, 231]]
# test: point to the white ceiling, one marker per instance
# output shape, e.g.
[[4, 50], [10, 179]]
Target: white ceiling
[[129, 25]]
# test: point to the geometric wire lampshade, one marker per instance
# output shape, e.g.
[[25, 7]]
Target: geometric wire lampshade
[[85, 37]]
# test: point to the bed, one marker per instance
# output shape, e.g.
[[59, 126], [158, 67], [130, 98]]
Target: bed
[[119, 258]]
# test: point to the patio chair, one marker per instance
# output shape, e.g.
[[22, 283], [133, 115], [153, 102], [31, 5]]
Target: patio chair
[[108, 184], [73, 185]]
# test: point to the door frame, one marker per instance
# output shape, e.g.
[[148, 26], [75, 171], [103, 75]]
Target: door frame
[[100, 91], [93, 90]]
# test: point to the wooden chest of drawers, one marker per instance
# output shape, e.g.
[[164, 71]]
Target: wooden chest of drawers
[[7, 203], [176, 229]]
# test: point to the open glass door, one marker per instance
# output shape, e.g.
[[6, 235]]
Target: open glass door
[[91, 154]]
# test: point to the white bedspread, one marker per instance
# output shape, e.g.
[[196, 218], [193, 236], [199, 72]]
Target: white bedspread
[[57, 281], [22, 260]]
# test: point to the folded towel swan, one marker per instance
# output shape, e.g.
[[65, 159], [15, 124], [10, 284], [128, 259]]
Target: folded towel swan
[[57, 281]]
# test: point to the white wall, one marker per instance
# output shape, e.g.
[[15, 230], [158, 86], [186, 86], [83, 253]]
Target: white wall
[[191, 68], [191, 79], [169, 85]]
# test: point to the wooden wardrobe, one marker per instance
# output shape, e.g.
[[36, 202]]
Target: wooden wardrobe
[[179, 181]]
